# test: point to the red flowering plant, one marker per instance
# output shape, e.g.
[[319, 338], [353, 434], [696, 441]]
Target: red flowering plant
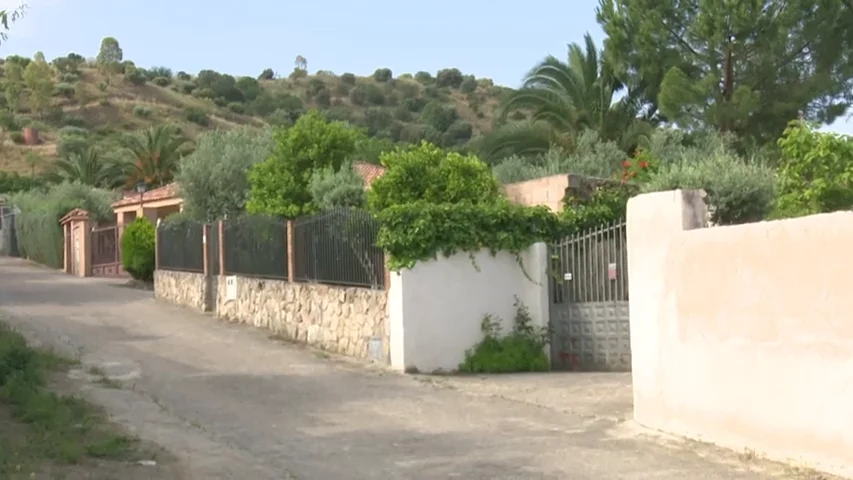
[[640, 168]]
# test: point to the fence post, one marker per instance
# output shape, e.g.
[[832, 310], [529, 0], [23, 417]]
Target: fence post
[[205, 254], [220, 227], [290, 253]]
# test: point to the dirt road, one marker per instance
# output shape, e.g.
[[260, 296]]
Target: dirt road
[[230, 402]]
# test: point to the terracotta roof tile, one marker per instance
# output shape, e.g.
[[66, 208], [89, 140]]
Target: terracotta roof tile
[[368, 172], [162, 193]]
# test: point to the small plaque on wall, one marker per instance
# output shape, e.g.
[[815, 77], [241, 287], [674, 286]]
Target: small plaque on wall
[[230, 288]]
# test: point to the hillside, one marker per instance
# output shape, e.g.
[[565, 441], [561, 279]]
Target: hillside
[[94, 102]]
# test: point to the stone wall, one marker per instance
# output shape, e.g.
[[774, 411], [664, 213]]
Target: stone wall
[[348, 320], [182, 288]]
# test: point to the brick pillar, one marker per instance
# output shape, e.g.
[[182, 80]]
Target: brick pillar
[[290, 252], [220, 227], [205, 254]]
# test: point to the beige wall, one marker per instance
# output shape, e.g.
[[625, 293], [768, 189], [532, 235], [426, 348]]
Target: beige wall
[[548, 191], [743, 336]]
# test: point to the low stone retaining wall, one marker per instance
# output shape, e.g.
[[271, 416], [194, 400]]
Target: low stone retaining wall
[[182, 288], [347, 320]]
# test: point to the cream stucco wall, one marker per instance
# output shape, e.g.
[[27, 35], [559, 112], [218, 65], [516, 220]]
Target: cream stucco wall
[[743, 336], [436, 307]]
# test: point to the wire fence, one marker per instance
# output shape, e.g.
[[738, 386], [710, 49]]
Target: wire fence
[[255, 245], [180, 246], [338, 246]]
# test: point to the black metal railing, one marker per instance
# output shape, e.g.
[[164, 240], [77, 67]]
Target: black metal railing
[[180, 246], [255, 245], [338, 246]]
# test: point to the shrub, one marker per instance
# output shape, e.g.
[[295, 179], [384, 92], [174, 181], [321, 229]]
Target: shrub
[[160, 72], [423, 78], [66, 90], [237, 107], [279, 184], [358, 95], [383, 75], [298, 73], [457, 133], [267, 74], [74, 122], [38, 231], [449, 77], [323, 98], [186, 87], [469, 85], [438, 115], [162, 81], [183, 76], [341, 188], [203, 92], [142, 111], [213, 179], [348, 79], [17, 137], [137, 249], [197, 116], [521, 350]]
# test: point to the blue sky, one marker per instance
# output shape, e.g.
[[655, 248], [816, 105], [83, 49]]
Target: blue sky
[[499, 39]]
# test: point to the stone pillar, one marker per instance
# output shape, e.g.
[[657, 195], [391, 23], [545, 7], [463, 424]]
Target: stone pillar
[[654, 223]]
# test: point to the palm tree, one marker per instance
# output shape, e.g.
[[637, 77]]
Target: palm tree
[[561, 100], [90, 168], [154, 154]]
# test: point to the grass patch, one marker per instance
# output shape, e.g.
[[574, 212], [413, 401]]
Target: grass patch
[[41, 428]]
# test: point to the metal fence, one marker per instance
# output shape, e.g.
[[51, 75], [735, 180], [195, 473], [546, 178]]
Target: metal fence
[[255, 245], [180, 246], [338, 246], [8, 236]]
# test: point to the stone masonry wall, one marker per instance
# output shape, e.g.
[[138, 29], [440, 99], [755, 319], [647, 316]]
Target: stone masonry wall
[[181, 288], [337, 319]]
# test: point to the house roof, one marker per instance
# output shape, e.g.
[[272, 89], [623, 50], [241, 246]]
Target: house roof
[[161, 193], [368, 172]]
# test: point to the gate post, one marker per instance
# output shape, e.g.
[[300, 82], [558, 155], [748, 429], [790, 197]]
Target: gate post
[[77, 246]]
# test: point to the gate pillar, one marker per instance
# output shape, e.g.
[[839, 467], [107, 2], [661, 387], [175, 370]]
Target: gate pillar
[[76, 244]]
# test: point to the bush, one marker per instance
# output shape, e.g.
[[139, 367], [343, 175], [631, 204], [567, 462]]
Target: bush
[[141, 111], [521, 350], [469, 85], [66, 90], [358, 95], [135, 76], [237, 107], [17, 138], [424, 78], [342, 188], [457, 133], [449, 77], [267, 74], [323, 98], [162, 81], [383, 75], [137, 249], [183, 76], [197, 116], [212, 179], [37, 227], [69, 77], [438, 115], [348, 79]]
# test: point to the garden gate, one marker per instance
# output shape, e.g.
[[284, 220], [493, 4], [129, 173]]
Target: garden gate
[[589, 301], [105, 252]]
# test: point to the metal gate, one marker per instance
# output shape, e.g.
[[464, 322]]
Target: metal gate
[[105, 254], [589, 301]]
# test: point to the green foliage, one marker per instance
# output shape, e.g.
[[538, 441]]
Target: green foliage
[[606, 203], [816, 173], [212, 180], [424, 78], [739, 191], [72, 140], [219, 85], [674, 58], [469, 85], [521, 350], [591, 157], [342, 188], [162, 81], [438, 115], [37, 227], [449, 77], [66, 90], [89, 167], [383, 75], [197, 116], [138, 249], [13, 182], [279, 184], [141, 111], [237, 107], [348, 79], [267, 74]]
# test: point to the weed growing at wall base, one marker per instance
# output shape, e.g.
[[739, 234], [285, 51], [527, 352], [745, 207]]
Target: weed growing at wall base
[[521, 350]]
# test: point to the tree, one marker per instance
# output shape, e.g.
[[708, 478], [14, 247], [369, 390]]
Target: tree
[[213, 179], [10, 16], [14, 84], [90, 168], [279, 184], [742, 67], [38, 77], [154, 155], [267, 74], [109, 57], [300, 63], [565, 98], [342, 188]]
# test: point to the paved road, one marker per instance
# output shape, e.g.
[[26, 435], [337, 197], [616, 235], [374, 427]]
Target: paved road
[[232, 403]]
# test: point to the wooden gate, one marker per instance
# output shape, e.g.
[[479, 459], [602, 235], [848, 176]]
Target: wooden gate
[[589, 301], [105, 252]]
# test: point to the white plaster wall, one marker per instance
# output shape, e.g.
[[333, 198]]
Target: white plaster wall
[[436, 307]]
